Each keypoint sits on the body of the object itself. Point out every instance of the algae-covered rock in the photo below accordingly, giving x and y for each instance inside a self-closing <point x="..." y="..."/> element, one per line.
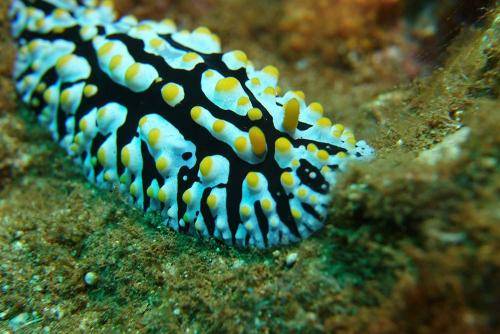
<point x="446" y="151"/>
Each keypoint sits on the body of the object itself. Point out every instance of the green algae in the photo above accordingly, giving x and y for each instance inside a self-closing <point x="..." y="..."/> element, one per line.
<point x="410" y="247"/>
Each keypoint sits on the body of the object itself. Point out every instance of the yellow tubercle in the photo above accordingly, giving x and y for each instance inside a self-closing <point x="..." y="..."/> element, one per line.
<point x="219" y="125"/>
<point x="270" y="91"/>
<point x="296" y="213"/>
<point x="341" y="155"/>
<point x="254" y="114"/>
<point x="168" y="22"/>
<point x="143" y="120"/>
<point x="317" y="108"/>
<point x="187" y="197"/>
<point x="74" y="148"/>
<point x="198" y="224"/>
<point x="302" y="192"/>
<point x="243" y="101"/>
<point x="156" y="43"/>
<point x="162" y="196"/>
<point x="292" y="111"/>
<point x="90" y="90"/>
<point x="144" y="27"/>
<point x="58" y="30"/>
<point x="60" y="13"/>
<point x="240" y="144"/>
<point x="337" y="130"/>
<point x="255" y="81"/>
<point x="300" y="94"/>
<point x="28" y="80"/>
<point x="105" y="49"/>
<point x="150" y="192"/>
<point x="323" y="155"/>
<point x="215" y="38"/>
<point x="271" y="70"/>
<point x="196" y="113"/>
<point x="212" y="201"/>
<point x="101" y="113"/>
<point x="124" y="179"/>
<point x="206" y="166"/>
<point x="66" y="97"/>
<point x="324" y="122"/>
<point x="189" y="57"/>
<point x="78" y="139"/>
<point x="154" y="136"/>
<point x="313" y="199"/>
<point x="115" y="62"/>
<point x="312" y="147"/>
<point x="283" y="145"/>
<point x="134" y="191"/>
<point x="40" y="23"/>
<point x="125" y="156"/>
<point x="64" y="61"/>
<point x="108" y="176"/>
<point x="245" y="210"/>
<point x="89" y="12"/>
<point x="107" y="3"/>
<point x="84" y="30"/>
<point x="266" y="205"/>
<point x="287" y="179"/>
<point x="132" y="71"/>
<point x="227" y="84"/>
<point x="47" y="96"/>
<point x="351" y="140"/>
<point x="35" y="66"/>
<point x="33" y="45"/>
<point x="101" y="156"/>
<point x="252" y="180"/>
<point x="83" y="125"/>
<point x="241" y="56"/>
<point x="202" y="30"/>
<point x="169" y="92"/>
<point x="161" y="164"/>
<point x="41" y="87"/>
<point x="258" y="141"/>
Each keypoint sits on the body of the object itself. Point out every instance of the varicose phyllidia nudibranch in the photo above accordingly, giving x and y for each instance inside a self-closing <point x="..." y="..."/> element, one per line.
<point x="201" y="136"/>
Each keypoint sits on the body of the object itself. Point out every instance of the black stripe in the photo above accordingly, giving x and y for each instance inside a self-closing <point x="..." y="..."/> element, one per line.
<point x="206" y="213"/>
<point x="262" y="220"/>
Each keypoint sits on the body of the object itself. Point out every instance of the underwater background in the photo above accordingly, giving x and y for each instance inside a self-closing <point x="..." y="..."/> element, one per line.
<point x="412" y="240"/>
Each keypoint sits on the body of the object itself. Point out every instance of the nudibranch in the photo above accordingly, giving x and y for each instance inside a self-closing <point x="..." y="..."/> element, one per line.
<point x="201" y="136"/>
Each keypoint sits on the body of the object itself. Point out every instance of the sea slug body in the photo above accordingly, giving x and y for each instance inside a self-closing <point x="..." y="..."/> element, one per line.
<point x="198" y="135"/>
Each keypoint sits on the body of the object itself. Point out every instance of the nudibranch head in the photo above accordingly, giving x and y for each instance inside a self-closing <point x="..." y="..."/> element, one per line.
<point x="202" y="137"/>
